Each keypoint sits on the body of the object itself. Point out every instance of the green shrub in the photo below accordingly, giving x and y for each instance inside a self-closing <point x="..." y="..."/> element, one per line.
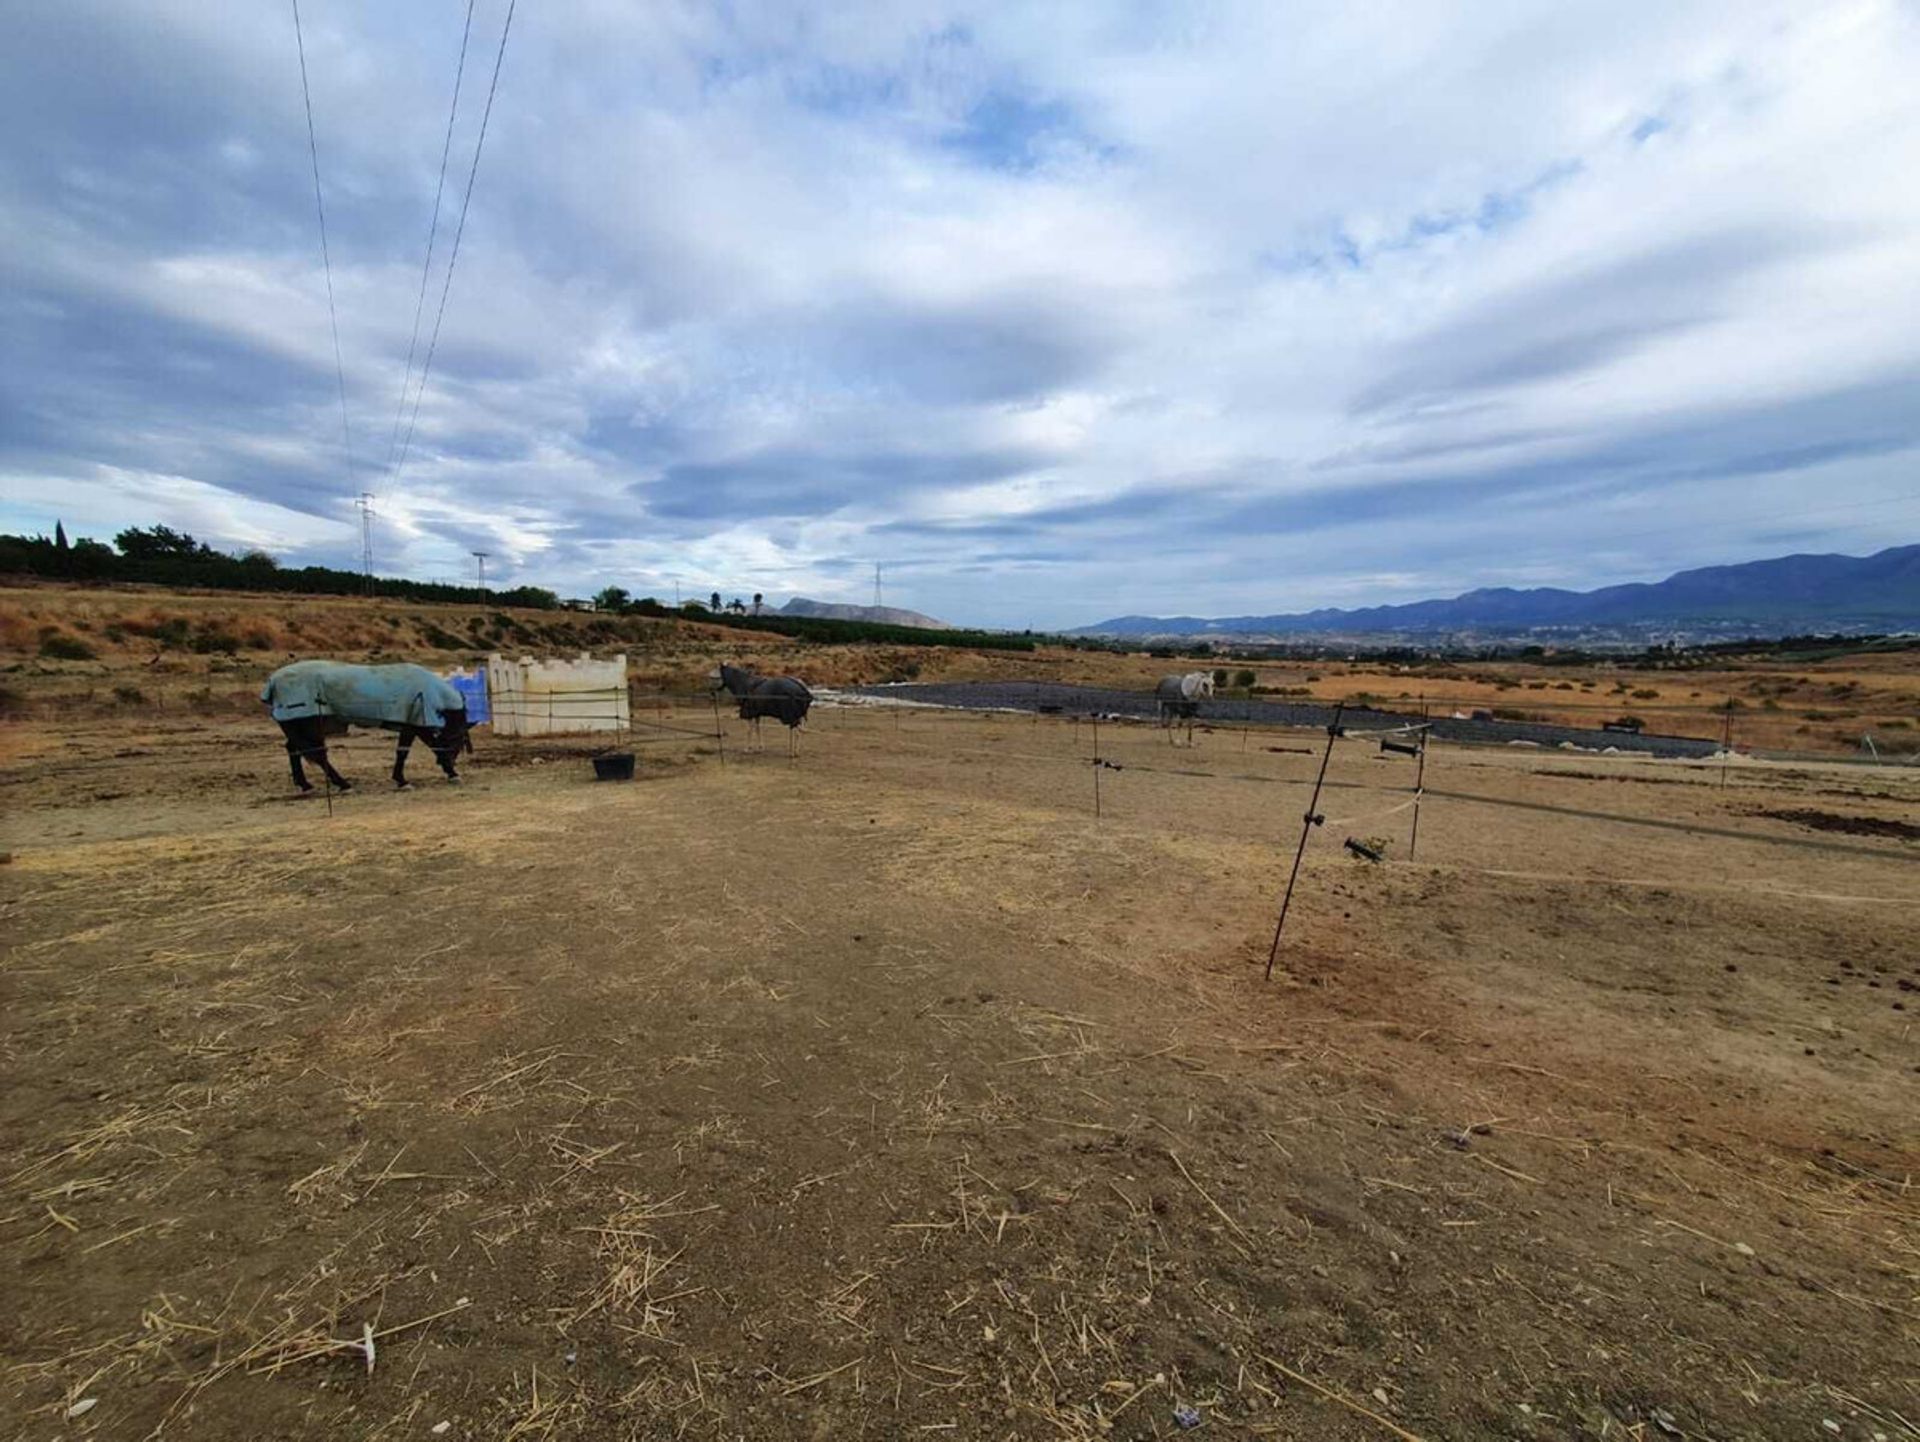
<point x="215" y="640"/>
<point x="1242" y="679"/>
<point x="129" y="695"/>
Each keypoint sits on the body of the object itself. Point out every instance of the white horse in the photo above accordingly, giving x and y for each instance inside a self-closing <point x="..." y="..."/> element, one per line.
<point x="1179" y="698"/>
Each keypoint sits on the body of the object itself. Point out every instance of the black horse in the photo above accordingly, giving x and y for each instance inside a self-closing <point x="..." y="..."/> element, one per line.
<point x="785" y="698"/>
<point x="313" y="700"/>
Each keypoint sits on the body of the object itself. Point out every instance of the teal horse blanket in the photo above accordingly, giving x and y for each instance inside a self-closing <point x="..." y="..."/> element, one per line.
<point x="389" y="696"/>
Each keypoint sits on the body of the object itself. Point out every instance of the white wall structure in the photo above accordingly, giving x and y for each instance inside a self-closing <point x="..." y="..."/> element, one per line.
<point x="554" y="698"/>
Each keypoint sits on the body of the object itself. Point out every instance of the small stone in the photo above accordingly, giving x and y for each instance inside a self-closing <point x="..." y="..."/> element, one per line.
<point x="439" y="1429"/>
<point x="1831" y="1425"/>
<point x="82" y="1407"/>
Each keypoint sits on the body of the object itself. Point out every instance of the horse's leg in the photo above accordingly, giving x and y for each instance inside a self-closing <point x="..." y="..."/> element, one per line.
<point x="400" y="750"/>
<point x="444" y="752"/>
<point x="296" y="744"/>
<point x="318" y="751"/>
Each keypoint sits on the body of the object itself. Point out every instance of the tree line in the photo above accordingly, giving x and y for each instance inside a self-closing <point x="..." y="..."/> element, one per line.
<point x="162" y="556"/>
<point x="615" y="600"/>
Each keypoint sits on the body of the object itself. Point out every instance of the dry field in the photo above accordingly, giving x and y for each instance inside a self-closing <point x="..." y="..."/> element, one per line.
<point x="204" y="653"/>
<point x="887" y="1093"/>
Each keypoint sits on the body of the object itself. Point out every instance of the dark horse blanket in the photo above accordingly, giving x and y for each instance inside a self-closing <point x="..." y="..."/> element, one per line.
<point x="312" y="699"/>
<point x="784" y="698"/>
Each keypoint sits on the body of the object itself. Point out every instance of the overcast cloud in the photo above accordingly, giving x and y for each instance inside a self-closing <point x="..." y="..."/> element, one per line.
<point x="1059" y="311"/>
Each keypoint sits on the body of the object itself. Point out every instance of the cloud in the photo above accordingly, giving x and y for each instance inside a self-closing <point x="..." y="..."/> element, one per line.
<point x="1058" y="312"/>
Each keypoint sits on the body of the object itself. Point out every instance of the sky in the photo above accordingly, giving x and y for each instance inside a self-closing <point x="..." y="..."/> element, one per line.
<point x="1055" y="312"/>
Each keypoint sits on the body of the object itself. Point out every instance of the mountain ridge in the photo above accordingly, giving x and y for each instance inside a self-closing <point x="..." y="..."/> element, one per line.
<point x="1877" y="591"/>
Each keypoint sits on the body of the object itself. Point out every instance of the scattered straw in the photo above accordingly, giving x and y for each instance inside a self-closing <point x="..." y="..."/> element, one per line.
<point x="1333" y="1396"/>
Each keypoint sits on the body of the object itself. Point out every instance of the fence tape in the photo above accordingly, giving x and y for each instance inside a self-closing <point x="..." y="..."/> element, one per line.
<point x="1413" y="800"/>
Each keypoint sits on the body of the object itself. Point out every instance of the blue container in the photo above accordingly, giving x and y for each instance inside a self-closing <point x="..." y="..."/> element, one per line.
<point x="474" y="688"/>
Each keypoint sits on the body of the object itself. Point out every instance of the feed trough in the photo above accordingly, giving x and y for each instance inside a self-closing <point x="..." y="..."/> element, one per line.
<point x="618" y="766"/>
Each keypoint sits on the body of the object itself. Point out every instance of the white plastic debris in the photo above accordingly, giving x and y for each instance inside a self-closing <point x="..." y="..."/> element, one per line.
<point x="82" y="1407"/>
<point x="366" y="1344"/>
<point x="439" y="1428"/>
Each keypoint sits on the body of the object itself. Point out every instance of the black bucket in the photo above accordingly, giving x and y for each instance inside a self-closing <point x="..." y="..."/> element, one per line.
<point x="617" y="767"/>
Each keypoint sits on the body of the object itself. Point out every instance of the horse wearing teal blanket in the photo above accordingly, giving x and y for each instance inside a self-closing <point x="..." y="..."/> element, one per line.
<point x="315" y="699"/>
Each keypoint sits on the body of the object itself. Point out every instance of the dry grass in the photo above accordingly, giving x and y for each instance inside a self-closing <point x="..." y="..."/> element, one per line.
<point x="960" y="1115"/>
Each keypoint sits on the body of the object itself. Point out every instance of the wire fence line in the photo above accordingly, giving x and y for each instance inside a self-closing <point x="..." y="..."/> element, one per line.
<point x="584" y="743"/>
<point x="1428" y="792"/>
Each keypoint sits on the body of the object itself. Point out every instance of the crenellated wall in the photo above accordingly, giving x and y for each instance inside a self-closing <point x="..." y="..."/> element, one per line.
<point x="529" y="697"/>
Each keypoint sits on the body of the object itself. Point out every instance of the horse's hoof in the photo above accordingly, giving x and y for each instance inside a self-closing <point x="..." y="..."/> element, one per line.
<point x="453" y="781"/>
<point x="403" y="786"/>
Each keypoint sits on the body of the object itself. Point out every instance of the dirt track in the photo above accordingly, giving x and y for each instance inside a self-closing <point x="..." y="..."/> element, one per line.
<point x="889" y="1091"/>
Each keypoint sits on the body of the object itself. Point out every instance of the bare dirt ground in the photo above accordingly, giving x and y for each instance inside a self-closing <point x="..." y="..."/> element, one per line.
<point x="887" y="1093"/>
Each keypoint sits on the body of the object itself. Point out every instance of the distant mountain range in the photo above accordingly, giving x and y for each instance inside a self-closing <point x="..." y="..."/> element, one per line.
<point x="1779" y="596"/>
<point x="879" y="615"/>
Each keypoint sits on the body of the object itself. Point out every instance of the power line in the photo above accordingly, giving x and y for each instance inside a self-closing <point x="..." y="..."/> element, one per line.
<point x="326" y="260"/>
<point x="453" y="257"/>
<point x="433" y="231"/>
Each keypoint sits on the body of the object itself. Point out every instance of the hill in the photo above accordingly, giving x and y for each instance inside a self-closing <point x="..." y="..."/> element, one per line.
<point x="1781" y="595"/>
<point x="876" y="615"/>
